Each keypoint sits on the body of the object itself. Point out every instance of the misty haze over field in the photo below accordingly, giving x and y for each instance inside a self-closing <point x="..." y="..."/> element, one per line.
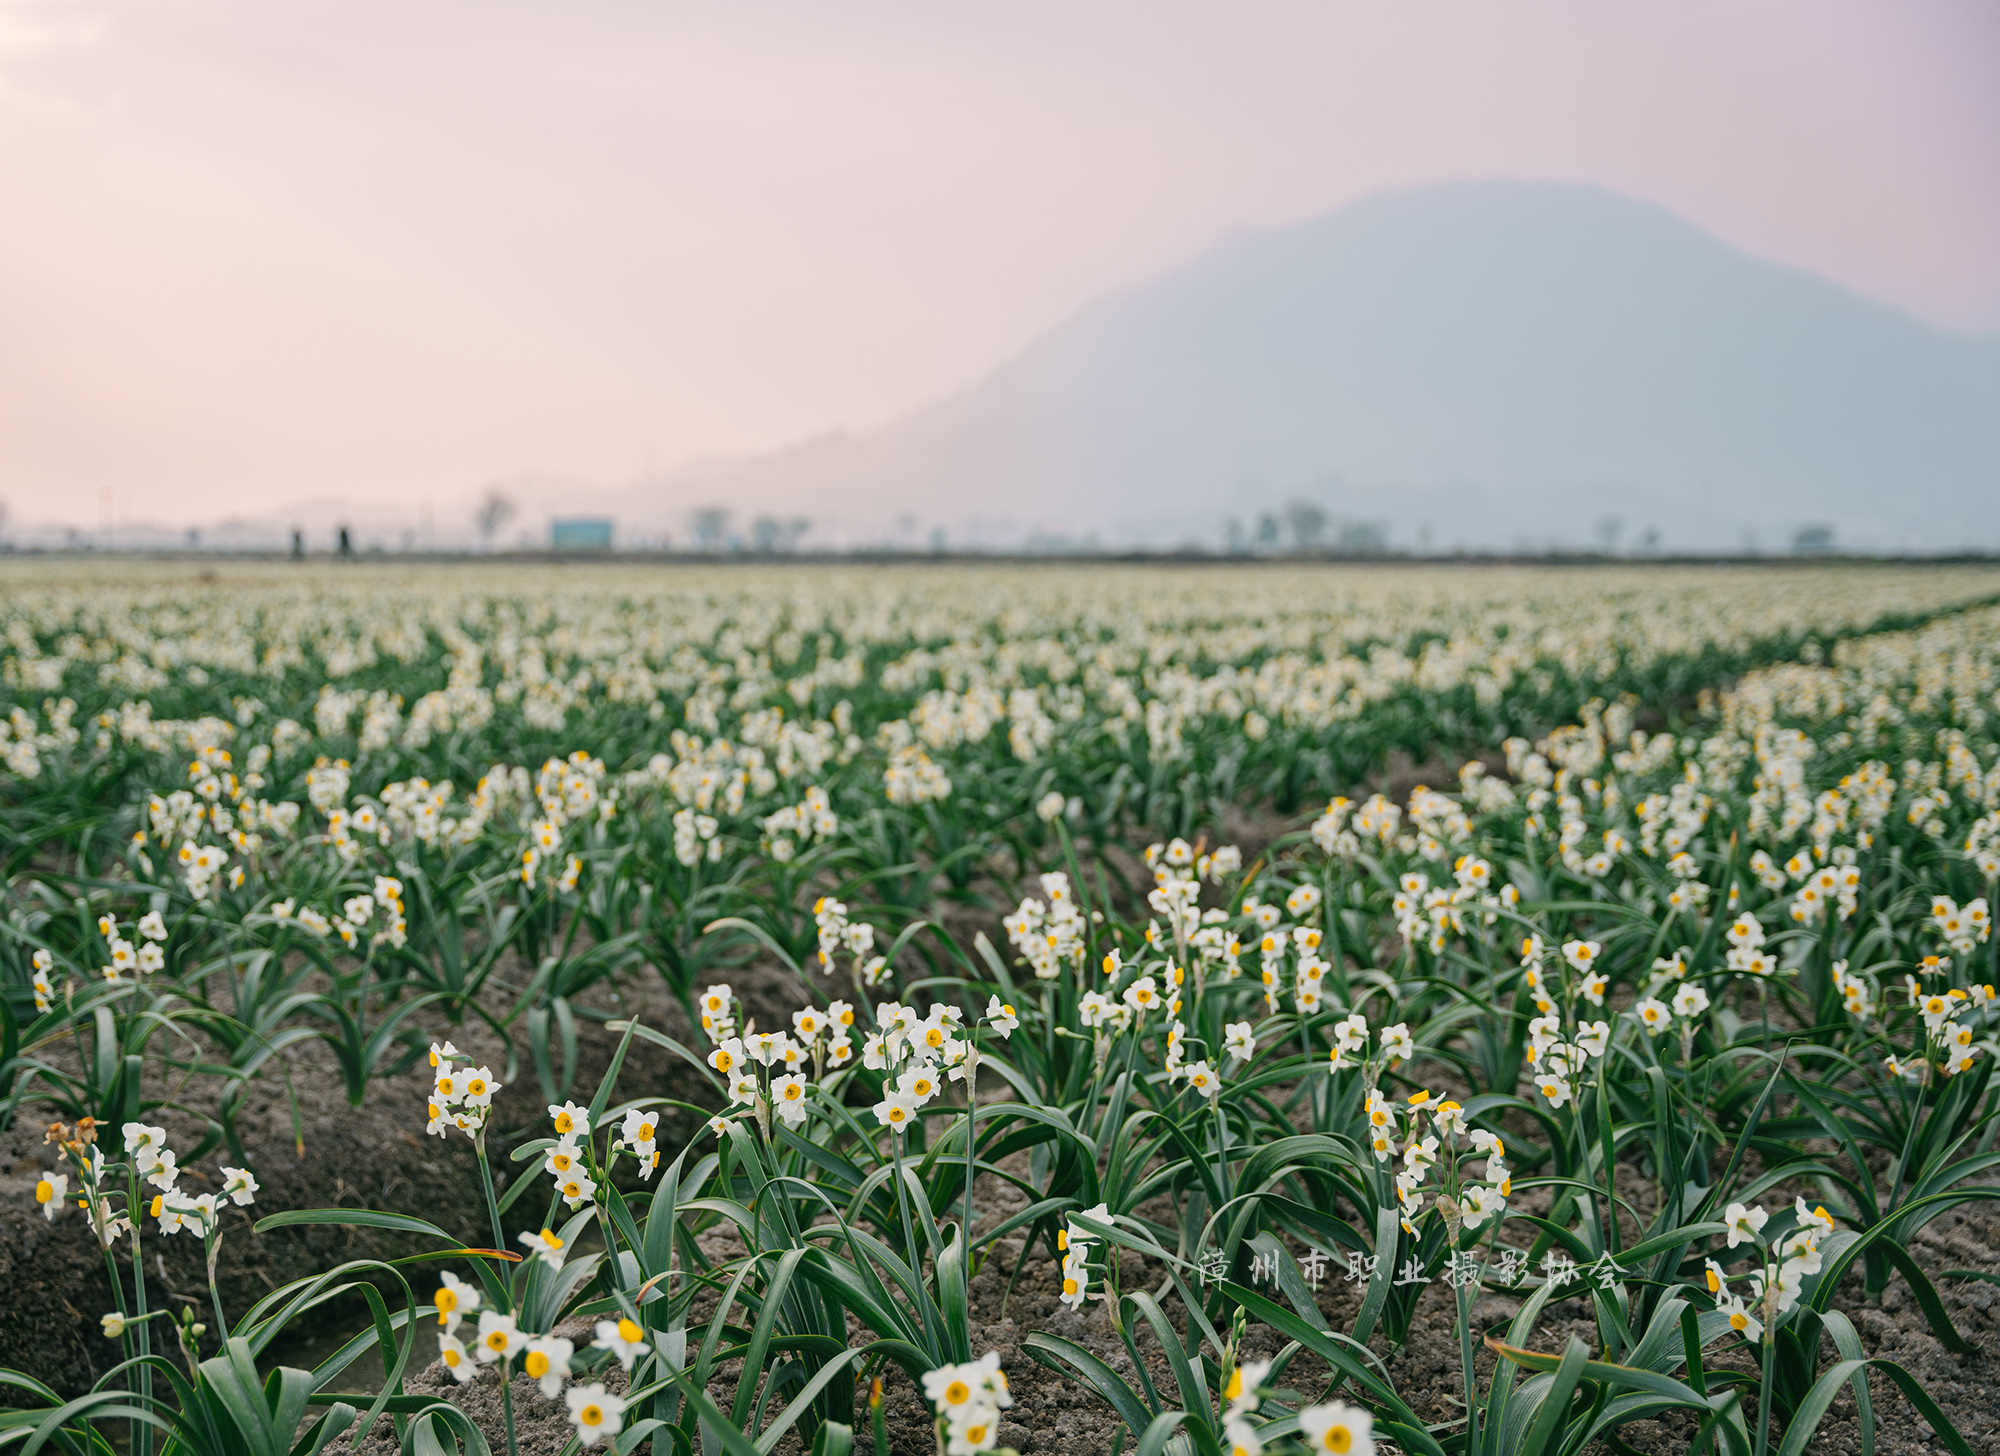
<point x="1484" y="367"/>
<point x="1489" y="366"/>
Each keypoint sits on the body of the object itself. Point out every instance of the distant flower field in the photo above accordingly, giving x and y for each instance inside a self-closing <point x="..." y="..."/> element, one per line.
<point x="1218" y="959"/>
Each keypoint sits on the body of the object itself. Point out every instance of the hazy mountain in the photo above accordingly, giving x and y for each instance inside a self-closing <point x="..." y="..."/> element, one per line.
<point x="1497" y="364"/>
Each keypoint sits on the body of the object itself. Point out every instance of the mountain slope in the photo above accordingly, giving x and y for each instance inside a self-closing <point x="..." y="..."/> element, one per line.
<point x="1498" y="364"/>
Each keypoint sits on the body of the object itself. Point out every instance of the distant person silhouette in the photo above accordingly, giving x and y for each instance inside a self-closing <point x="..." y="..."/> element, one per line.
<point x="298" y="545"/>
<point x="346" y="545"/>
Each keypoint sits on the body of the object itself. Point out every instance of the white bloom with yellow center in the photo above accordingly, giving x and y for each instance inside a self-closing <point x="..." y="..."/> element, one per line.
<point x="788" y="1097"/>
<point x="624" y="1338"/>
<point x="454" y="1300"/>
<point x="546" y="1358"/>
<point x="597" y="1414"/>
<point x="452" y="1351"/>
<point x="49" y="1191"/>
<point x="499" y="1336"/>
<point x="546" y="1246"/>
<point x="1338" y="1429"/>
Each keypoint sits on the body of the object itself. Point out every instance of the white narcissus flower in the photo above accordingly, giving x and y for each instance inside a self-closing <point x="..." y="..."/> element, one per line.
<point x="546" y="1246"/>
<point x="1075" y="1279"/>
<point x="1555" y="1089"/>
<point x="239" y="1186"/>
<point x="152" y="926"/>
<point x="1001" y="1017"/>
<point x="597" y="1413"/>
<point x="638" y="1129"/>
<point x="546" y="1359"/>
<point x="1201" y="1077"/>
<point x="1244" y="1382"/>
<point x="479" y="1087"/>
<point x="896" y="1111"/>
<point x="454" y="1300"/>
<point x="1337" y="1429"/>
<point x="1690" y="1002"/>
<point x="1744" y="1223"/>
<point x="114" y="1325"/>
<point x="1480" y="1203"/>
<point x="1741" y="1320"/>
<point x="499" y="1336"/>
<point x="571" y="1121"/>
<point x="1240" y="1439"/>
<point x="972" y="1430"/>
<point x="565" y="1159"/>
<point x="452" y="1351"/>
<point x="788" y="1097"/>
<point x="448" y="1088"/>
<point x="623" y="1337"/>
<point x="49" y="1190"/>
<point x="1581" y="954"/>
<point x="577" y="1189"/>
<point x="728" y="1056"/>
<point x="1652" y="1014"/>
<point x="159" y="1167"/>
<point x="1238" y="1040"/>
<point x="1789" y="1282"/>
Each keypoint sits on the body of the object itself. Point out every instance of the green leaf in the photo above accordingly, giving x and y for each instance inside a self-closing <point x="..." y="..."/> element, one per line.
<point x="354" y="1218"/>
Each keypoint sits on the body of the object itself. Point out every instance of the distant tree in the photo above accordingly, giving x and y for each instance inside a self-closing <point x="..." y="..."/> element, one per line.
<point x="1815" y="539"/>
<point x="710" y="525"/>
<point x="1307" y="522"/>
<point x="770" y="533"/>
<point x="494" y="512"/>
<point x="1267" y="531"/>
<point x="1362" y="538"/>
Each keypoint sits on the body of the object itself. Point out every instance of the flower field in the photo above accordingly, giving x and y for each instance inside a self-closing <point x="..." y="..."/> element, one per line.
<point x="1216" y="1010"/>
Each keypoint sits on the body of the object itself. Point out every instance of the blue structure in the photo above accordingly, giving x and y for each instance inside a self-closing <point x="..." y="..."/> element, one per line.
<point x="580" y="533"/>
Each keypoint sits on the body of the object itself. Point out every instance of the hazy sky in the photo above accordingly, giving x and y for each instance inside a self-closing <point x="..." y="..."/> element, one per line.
<point x="258" y="250"/>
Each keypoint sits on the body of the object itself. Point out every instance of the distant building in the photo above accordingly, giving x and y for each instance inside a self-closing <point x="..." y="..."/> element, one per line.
<point x="580" y="533"/>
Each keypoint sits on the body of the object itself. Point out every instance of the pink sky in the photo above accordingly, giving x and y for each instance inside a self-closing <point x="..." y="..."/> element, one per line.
<point x="254" y="252"/>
